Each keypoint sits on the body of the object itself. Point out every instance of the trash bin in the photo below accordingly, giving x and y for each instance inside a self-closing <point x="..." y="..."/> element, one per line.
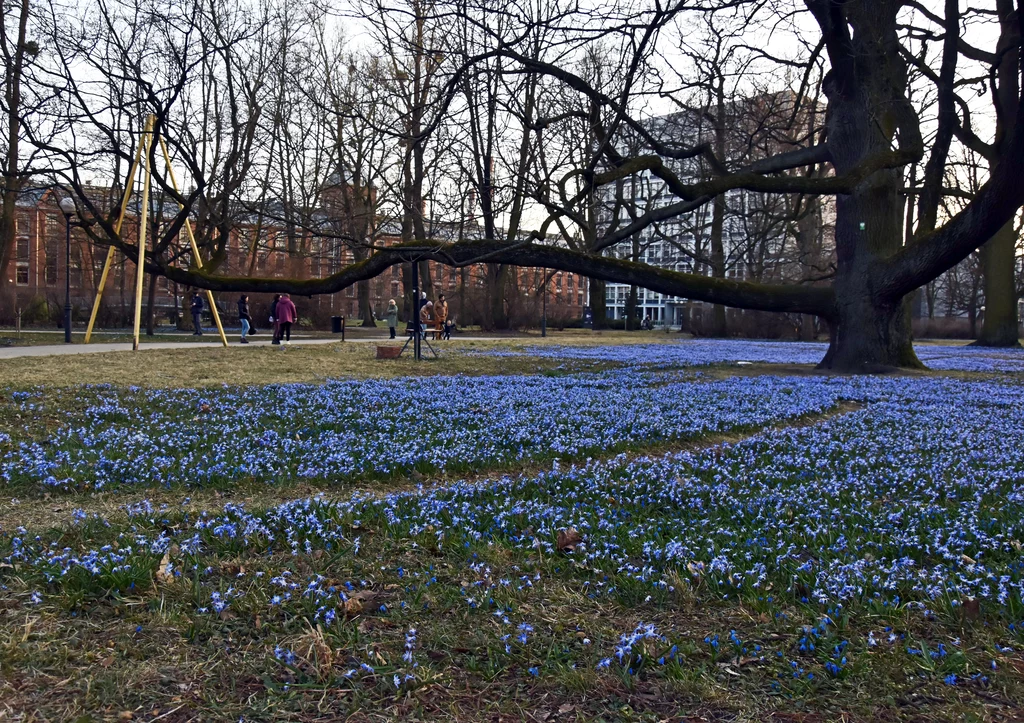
<point x="337" y="322"/>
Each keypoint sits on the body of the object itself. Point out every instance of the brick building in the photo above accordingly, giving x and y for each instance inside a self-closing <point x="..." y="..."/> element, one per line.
<point x="257" y="246"/>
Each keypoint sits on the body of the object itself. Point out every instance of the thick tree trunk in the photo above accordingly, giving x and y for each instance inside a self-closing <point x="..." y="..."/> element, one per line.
<point x="807" y="330"/>
<point x="717" y="323"/>
<point x="871" y="332"/>
<point x="870" y="337"/>
<point x="598" y="303"/>
<point x="365" y="309"/>
<point x="1000" y="326"/>
<point x="497" y="280"/>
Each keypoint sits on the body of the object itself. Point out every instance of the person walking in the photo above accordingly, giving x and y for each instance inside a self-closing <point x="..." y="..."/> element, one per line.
<point x="274" y="321"/>
<point x="392" y="314"/>
<point x="285" y="314"/>
<point x="243" y="317"/>
<point x="440" y="316"/>
<point x="197" y="314"/>
<point x="425" y="312"/>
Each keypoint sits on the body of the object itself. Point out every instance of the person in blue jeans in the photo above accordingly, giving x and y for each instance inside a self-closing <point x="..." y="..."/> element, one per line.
<point x="244" y="317"/>
<point x="197" y="314"/>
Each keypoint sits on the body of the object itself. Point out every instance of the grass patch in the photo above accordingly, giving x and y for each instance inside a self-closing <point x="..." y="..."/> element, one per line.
<point x="238" y="366"/>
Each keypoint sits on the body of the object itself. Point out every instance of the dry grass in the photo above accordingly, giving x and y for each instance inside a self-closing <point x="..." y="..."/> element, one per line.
<point x="239" y="365"/>
<point x="252" y="365"/>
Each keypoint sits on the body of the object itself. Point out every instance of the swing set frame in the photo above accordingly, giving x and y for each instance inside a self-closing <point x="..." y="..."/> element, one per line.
<point x="149" y="136"/>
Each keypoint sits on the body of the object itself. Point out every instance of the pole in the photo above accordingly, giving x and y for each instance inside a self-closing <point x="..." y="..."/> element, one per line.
<point x="143" y="223"/>
<point x="195" y="247"/>
<point x="544" y="308"/>
<point x="67" y="278"/>
<point x="110" y="251"/>
<point x="416" y="311"/>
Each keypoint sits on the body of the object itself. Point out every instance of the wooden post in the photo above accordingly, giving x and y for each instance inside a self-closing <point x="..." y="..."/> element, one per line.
<point x="110" y="251"/>
<point x="143" y="224"/>
<point x="193" y="244"/>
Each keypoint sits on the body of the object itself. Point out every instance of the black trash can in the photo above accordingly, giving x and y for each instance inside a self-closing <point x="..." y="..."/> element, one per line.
<point x="337" y="323"/>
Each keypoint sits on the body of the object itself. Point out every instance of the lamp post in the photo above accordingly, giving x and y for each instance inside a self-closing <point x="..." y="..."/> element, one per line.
<point x="67" y="207"/>
<point x="544" y="307"/>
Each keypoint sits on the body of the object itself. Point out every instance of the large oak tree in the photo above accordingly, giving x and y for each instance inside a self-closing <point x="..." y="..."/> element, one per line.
<point x="872" y="133"/>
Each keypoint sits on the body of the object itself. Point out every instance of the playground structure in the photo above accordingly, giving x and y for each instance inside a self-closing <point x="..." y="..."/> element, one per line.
<point x="142" y="158"/>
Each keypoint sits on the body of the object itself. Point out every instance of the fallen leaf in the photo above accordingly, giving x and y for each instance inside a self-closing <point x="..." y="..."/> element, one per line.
<point x="107" y="661"/>
<point x="566" y="708"/>
<point x="568" y="539"/>
<point x="163" y="570"/>
<point x="972" y="609"/>
<point x="359" y="602"/>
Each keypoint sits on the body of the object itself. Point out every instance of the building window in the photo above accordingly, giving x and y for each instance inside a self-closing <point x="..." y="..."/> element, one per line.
<point x="24" y="227"/>
<point x="453" y="277"/>
<point x="76" y="268"/>
<point x="50" y="269"/>
<point x="394" y="290"/>
<point x="23" y="248"/>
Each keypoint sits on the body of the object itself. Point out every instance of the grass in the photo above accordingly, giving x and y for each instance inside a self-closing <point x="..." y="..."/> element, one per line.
<point x="134" y="642"/>
<point x="241" y="366"/>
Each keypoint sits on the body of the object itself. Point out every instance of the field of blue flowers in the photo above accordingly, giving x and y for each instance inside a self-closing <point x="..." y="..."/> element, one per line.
<point x="380" y="429"/>
<point x="854" y="550"/>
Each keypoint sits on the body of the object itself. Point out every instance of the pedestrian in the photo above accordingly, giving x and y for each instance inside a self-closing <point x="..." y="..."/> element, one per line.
<point x="273" y="319"/>
<point x="448" y="326"/>
<point x="425" y="312"/>
<point x="392" y="315"/>
<point x="440" y="316"/>
<point x="285" y="315"/>
<point x="243" y="317"/>
<point x="197" y="314"/>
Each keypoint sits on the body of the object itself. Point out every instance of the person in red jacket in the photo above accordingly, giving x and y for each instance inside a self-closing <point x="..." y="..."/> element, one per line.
<point x="284" y="314"/>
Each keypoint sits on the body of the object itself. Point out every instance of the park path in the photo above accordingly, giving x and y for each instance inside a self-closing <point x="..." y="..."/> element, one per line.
<point x="14" y="352"/>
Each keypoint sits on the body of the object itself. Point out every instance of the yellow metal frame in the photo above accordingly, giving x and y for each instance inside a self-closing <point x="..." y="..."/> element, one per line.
<point x="192" y="243"/>
<point x="140" y="264"/>
<point x="142" y="155"/>
<point x="110" y="251"/>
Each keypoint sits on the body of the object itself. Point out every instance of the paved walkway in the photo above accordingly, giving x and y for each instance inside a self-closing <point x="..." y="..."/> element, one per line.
<point x="13" y="352"/>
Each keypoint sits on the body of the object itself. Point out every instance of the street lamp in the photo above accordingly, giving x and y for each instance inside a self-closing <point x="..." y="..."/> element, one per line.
<point x="67" y="207"/>
<point x="544" y="306"/>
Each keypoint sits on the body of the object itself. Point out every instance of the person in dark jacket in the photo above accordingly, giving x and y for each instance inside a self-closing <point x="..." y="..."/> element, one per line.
<point x="243" y="317"/>
<point x="274" y="321"/>
<point x="197" y="314"/>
